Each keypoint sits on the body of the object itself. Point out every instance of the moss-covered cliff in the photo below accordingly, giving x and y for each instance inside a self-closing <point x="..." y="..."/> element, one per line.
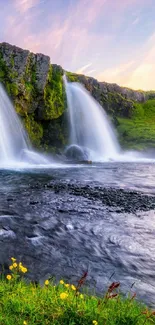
<point x="36" y="88"/>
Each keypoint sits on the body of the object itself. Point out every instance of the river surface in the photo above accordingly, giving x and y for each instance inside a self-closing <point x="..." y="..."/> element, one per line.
<point x="64" y="221"/>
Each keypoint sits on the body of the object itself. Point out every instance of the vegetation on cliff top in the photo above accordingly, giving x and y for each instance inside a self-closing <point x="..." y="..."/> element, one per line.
<point x="138" y="132"/>
<point x="24" y="303"/>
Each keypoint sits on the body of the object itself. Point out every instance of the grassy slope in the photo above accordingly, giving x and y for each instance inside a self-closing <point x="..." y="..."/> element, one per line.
<point x="139" y="131"/>
<point x="24" y="303"/>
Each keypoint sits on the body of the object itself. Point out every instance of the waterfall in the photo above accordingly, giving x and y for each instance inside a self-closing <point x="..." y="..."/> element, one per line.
<point x="13" y="138"/>
<point x="15" y="147"/>
<point x="90" y="127"/>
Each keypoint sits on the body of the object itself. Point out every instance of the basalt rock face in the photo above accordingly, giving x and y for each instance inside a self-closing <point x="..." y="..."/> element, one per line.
<point x="36" y="88"/>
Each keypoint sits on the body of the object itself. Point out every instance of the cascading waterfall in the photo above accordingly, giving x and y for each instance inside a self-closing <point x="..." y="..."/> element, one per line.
<point x="13" y="137"/>
<point x="15" y="147"/>
<point x="90" y="127"/>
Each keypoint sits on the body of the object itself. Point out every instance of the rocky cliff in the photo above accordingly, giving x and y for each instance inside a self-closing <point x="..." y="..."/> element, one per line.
<point x="36" y="88"/>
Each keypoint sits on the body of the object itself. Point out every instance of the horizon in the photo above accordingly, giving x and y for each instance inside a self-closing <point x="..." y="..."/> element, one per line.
<point x="91" y="44"/>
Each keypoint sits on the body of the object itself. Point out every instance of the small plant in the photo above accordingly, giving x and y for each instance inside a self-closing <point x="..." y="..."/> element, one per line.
<point x="24" y="303"/>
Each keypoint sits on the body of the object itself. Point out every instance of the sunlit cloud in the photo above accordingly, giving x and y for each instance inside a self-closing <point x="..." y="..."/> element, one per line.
<point x="115" y="74"/>
<point x="91" y="72"/>
<point x="137" y="74"/>
<point x="84" y="68"/>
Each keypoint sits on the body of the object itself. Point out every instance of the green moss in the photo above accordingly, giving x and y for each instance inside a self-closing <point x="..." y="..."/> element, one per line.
<point x="34" y="129"/>
<point x="12" y="89"/>
<point x="72" y="77"/>
<point x="54" y="95"/>
<point x="55" y="132"/>
<point x="12" y="61"/>
<point x="3" y="69"/>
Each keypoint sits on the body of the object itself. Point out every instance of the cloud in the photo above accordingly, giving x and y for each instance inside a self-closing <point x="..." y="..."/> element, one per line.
<point x="23" y="6"/>
<point x="90" y="72"/>
<point x="84" y="68"/>
<point x="137" y="74"/>
<point x="74" y="34"/>
<point x="115" y="74"/>
<point x="142" y="77"/>
<point x="136" y="21"/>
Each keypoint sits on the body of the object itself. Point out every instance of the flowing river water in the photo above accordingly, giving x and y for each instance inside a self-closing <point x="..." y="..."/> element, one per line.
<point x="63" y="221"/>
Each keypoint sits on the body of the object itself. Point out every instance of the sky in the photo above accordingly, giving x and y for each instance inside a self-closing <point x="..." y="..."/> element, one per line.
<point x="110" y="40"/>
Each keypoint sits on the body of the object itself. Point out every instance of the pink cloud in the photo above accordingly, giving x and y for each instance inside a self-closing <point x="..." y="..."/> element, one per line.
<point x="24" y="5"/>
<point x="137" y="74"/>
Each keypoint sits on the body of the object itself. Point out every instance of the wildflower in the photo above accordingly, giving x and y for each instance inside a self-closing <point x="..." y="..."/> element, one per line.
<point x="46" y="282"/>
<point x="95" y="322"/>
<point x="62" y="282"/>
<point x="82" y="280"/>
<point x="23" y="269"/>
<point x="11" y="267"/>
<point x="24" y="323"/>
<point x="73" y="287"/>
<point x="14" y="265"/>
<point x="113" y="286"/>
<point x="63" y="295"/>
<point x="67" y="285"/>
<point x="9" y="277"/>
<point x="81" y="296"/>
<point x="13" y="259"/>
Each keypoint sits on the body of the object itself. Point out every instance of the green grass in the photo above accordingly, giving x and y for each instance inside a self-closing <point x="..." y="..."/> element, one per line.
<point x="138" y="132"/>
<point x="24" y="303"/>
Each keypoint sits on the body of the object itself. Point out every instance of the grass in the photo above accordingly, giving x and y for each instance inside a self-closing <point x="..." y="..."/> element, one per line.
<point x="138" y="132"/>
<point x="24" y="303"/>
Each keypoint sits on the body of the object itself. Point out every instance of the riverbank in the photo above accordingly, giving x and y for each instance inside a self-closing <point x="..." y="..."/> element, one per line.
<point x="26" y="303"/>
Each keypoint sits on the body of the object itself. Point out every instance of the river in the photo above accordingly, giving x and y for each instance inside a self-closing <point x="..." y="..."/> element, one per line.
<point x="63" y="221"/>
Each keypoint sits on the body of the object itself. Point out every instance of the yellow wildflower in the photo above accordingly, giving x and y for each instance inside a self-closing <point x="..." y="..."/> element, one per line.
<point x="14" y="265"/>
<point x="62" y="282"/>
<point x="24" y="323"/>
<point x="81" y="296"/>
<point x="67" y="285"/>
<point x="73" y="287"/>
<point x="13" y="259"/>
<point x="46" y="282"/>
<point x="9" y="277"/>
<point x="63" y="295"/>
<point x="95" y="322"/>
<point x="11" y="267"/>
<point x="23" y="269"/>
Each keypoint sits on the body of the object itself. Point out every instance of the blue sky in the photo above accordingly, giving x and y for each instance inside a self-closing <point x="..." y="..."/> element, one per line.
<point x="111" y="40"/>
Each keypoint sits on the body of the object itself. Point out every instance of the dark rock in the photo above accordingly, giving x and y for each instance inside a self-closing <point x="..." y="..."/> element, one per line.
<point x="75" y="152"/>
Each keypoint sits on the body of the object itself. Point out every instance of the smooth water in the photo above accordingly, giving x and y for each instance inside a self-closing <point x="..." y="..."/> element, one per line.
<point x="89" y="125"/>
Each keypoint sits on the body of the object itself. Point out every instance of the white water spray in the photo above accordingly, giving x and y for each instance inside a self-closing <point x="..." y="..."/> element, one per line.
<point x="89" y="125"/>
<point x="15" y="148"/>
